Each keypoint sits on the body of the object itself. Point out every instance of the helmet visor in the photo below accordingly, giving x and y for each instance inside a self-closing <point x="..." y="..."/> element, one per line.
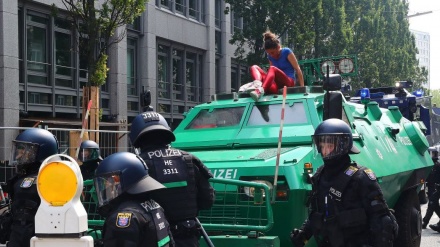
<point x="331" y="146"/>
<point x="108" y="187"/>
<point x="23" y="153"/>
<point x="88" y="154"/>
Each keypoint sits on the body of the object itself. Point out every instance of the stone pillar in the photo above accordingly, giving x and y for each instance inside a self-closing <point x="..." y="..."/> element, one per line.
<point x="9" y="90"/>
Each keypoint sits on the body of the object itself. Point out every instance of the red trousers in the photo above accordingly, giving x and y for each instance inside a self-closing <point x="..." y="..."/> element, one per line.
<point x="273" y="80"/>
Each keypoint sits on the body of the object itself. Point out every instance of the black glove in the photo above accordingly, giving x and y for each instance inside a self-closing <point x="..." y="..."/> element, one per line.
<point x="298" y="238"/>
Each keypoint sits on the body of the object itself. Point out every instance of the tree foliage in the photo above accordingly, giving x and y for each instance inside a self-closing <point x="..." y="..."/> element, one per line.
<point x="377" y="31"/>
<point x="96" y="23"/>
<point x="435" y="100"/>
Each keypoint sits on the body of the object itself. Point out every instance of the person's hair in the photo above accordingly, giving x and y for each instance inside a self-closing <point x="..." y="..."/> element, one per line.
<point x="270" y="40"/>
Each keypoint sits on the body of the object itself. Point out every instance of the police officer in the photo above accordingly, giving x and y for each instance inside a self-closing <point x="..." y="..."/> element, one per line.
<point x="132" y="218"/>
<point x="347" y="205"/>
<point x="29" y="150"/>
<point x="90" y="157"/>
<point x="433" y="184"/>
<point x="184" y="175"/>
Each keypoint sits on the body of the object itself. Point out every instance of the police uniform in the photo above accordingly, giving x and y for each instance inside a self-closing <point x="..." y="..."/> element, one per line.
<point x="29" y="149"/>
<point x="348" y="209"/>
<point x="133" y="224"/>
<point x="88" y="169"/>
<point x="347" y="204"/>
<point x="25" y="203"/>
<point x="433" y="184"/>
<point x="188" y="189"/>
<point x="123" y="188"/>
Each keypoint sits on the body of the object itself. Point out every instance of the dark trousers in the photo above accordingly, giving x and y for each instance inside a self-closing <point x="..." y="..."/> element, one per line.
<point x="21" y="235"/>
<point x="433" y="206"/>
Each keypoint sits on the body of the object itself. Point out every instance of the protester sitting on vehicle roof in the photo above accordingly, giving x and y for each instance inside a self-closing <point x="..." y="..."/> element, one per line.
<point x="281" y="72"/>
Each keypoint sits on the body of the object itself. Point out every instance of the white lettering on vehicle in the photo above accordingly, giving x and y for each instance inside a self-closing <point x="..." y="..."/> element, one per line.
<point x="405" y="140"/>
<point x="225" y="173"/>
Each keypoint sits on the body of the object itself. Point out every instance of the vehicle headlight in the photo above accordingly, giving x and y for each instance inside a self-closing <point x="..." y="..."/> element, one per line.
<point x="250" y="191"/>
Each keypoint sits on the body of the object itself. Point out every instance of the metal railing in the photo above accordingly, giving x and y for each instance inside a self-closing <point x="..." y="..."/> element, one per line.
<point x="239" y="206"/>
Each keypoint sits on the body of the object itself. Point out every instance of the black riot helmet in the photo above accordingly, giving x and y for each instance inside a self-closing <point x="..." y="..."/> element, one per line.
<point x="31" y="147"/>
<point x="150" y="128"/>
<point x="89" y="151"/>
<point x="333" y="139"/>
<point x="121" y="173"/>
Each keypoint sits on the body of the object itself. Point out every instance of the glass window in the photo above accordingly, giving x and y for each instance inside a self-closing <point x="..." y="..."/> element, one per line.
<point x="163" y="72"/>
<point x="39" y="98"/>
<point x="136" y="25"/>
<point x="219" y="117"/>
<point x="271" y="114"/>
<point x="132" y="106"/>
<point x="179" y="76"/>
<point x="191" y="76"/>
<point x="165" y="4"/>
<point x="105" y="103"/>
<point x="164" y="108"/>
<point x="218" y="42"/>
<point x="180" y="6"/>
<point x="218" y="13"/>
<point x="194" y="9"/>
<point x="63" y="24"/>
<point x="131" y="67"/>
<point x="66" y="100"/>
<point x="83" y="63"/>
<point x="37" y="54"/>
<point x="63" y="59"/>
<point x="235" y="84"/>
<point x="178" y="85"/>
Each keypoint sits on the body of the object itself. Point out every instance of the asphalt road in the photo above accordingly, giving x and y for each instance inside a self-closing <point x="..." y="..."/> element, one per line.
<point x="430" y="238"/>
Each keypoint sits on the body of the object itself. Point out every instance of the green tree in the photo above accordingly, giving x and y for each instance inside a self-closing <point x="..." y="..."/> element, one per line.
<point x="96" y="23"/>
<point x="279" y="16"/>
<point x="377" y="31"/>
<point x="435" y="97"/>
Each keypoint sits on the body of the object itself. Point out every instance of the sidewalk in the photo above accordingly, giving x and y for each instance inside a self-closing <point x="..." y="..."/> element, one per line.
<point x="429" y="236"/>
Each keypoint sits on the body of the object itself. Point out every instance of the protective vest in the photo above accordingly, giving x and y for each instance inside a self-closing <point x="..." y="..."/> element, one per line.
<point x="137" y="224"/>
<point x="337" y="217"/>
<point x="25" y="200"/>
<point x="176" y="171"/>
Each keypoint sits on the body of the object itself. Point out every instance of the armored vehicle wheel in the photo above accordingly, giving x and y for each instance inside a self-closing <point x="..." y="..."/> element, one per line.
<point x="409" y="217"/>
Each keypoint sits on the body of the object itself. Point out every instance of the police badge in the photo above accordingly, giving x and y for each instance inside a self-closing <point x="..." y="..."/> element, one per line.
<point x="123" y="220"/>
<point x="370" y="174"/>
<point x="27" y="182"/>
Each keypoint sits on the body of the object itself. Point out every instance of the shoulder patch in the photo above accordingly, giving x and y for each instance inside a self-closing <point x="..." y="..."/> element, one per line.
<point x="27" y="182"/>
<point x="123" y="220"/>
<point x="351" y="170"/>
<point x="370" y="174"/>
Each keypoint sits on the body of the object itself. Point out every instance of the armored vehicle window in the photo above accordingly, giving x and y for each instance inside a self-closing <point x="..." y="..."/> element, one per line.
<point x="218" y="117"/>
<point x="271" y="114"/>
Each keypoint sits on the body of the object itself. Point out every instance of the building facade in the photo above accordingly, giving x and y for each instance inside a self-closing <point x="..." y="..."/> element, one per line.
<point x="178" y="50"/>
<point x="422" y="40"/>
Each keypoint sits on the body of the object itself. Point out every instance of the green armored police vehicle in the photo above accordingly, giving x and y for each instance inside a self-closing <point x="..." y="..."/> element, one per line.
<point x="262" y="181"/>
